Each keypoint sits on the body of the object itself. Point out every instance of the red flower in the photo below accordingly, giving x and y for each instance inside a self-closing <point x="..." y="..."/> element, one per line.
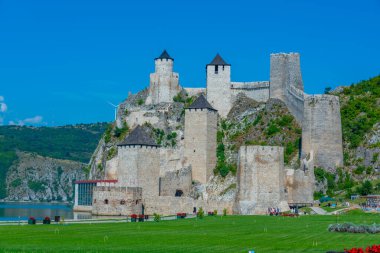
<point x="134" y="216"/>
<point x="372" y="249"/>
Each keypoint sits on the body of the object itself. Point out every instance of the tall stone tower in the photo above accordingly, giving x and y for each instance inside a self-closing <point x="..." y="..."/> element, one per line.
<point x="286" y="82"/>
<point x="139" y="162"/>
<point x="218" y="85"/>
<point x="200" y="138"/>
<point x="322" y="131"/>
<point x="164" y="83"/>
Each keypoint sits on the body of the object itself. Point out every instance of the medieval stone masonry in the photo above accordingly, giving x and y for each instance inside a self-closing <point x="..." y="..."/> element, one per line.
<point x="148" y="178"/>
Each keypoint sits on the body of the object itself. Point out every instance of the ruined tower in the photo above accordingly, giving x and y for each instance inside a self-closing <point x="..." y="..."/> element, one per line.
<point x="286" y="82"/>
<point x="261" y="179"/>
<point x="322" y="131"/>
<point x="164" y="83"/>
<point x="200" y="138"/>
<point x="218" y="85"/>
<point x="139" y="162"/>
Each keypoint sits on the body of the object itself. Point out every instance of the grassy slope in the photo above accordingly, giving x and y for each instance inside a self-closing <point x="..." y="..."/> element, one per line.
<point x="212" y="234"/>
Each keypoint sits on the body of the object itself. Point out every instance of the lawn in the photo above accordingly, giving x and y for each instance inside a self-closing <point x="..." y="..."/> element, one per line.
<point x="212" y="234"/>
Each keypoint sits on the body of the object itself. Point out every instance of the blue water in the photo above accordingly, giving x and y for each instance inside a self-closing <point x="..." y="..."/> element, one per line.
<point x="15" y="211"/>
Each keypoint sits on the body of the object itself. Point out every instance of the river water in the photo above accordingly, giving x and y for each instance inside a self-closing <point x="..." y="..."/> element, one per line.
<point x="14" y="211"/>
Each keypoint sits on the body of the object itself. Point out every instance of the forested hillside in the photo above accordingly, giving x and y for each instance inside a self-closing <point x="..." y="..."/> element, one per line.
<point x="72" y="142"/>
<point x="360" y="113"/>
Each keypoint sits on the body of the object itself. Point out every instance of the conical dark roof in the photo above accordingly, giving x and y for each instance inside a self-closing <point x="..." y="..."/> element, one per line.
<point x="138" y="136"/>
<point x="164" y="55"/>
<point x="201" y="103"/>
<point x="218" y="60"/>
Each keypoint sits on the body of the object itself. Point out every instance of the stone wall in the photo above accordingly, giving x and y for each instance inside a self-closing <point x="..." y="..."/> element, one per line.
<point x="200" y="142"/>
<point x="261" y="179"/>
<point x="176" y="180"/>
<point x="322" y="131"/>
<point x="300" y="186"/>
<point x="117" y="200"/>
<point x="171" y="159"/>
<point x="164" y="83"/>
<point x="139" y="166"/>
<point x="166" y="205"/>
<point x="195" y="91"/>
<point x="218" y="88"/>
<point x="258" y="91"/>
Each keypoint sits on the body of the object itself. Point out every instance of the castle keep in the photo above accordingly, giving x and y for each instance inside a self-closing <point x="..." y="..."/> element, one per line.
<point x="146" y="177"/>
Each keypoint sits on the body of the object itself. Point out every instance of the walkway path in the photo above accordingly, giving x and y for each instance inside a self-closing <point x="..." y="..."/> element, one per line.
<point x="318" y="210"/>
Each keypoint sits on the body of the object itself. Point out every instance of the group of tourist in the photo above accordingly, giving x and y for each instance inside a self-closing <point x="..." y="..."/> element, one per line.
<point x="272" y="211"/>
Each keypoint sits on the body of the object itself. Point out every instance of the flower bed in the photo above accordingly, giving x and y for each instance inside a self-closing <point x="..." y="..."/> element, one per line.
<point x="210" y="213"/>
<point x="46" y="220"/>
<point x="133" y="217"/>
<point x="141" y="218"/>
<point x="32" y="220"/>
<point x="181" y="215"/>
<point x="369" y="249"/>
<point x="289" y="214"/>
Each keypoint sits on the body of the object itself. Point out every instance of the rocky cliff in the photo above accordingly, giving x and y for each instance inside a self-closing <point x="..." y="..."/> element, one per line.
<point x="41" y="163"/>
<point x="34" y="177"/>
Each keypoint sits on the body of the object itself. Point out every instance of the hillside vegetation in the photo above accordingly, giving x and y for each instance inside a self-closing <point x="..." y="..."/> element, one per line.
<point x="75" y="143"/>
<point x="360" y="113"/>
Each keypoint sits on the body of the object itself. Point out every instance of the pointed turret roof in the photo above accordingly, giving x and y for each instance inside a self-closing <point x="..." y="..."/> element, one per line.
<point x="201" y="103"/>
<point x="218" y="60"/>
<point x="164" y="55"/>
<point x="138" y="136"/>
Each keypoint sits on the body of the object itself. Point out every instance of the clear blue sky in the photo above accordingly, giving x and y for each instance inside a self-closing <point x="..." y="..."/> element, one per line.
<point x="61" y="60"/>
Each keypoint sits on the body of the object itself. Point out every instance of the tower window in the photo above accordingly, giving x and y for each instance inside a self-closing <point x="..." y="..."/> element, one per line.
<point x="106" y="201"/>
<point x="178" y="193"/>
<point x="216" y="69"/>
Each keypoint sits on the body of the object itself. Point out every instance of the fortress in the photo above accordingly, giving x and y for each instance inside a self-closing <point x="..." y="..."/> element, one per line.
<point x="147" y="178"/>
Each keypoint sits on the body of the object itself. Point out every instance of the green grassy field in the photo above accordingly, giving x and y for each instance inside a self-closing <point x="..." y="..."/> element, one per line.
<point x="212" y="234"/>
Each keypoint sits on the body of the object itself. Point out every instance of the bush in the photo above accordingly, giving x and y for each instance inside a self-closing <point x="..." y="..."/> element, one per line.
<point x="352" y="228"/>
<point x="140" y="101"/>
<point x="366" y="188"/>
<point x="157" y="217"/>
<point x="200" y="213"/>
<point x="215" y="212"/>
<point x="272" y="130"/>
<point x="225" y="212"/>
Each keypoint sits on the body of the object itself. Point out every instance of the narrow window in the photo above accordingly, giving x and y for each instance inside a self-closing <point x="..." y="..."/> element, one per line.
<point x="106" y="201"/>
<point x="216" y="69"/>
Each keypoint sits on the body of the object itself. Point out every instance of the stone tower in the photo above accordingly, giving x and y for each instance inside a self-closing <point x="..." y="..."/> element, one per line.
<point x="261" y="179"/>
<point x="322" y="131"/>
<point x="286" y="82"/>
<point x="200" y="138"/>
<point x="139" y="162"/>
<point x="218" y="85"/>
<point x="164" y="83"/>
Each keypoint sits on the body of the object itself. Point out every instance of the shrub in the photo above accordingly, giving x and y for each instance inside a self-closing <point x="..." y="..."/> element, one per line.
<point x="157" y="217"/>
<point x="140" y="101"/>
<point x="36" y="186"/>
<point x="225" y="212"/>
<point x="16" y="183"/>
<point x="352" y="228"/>
<point x="272" y="130"/>
<point x="366" y="188"/>
<point x="359" y="170"/>
<point x="200" y="213"/>
<point x="215" y="212"/>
